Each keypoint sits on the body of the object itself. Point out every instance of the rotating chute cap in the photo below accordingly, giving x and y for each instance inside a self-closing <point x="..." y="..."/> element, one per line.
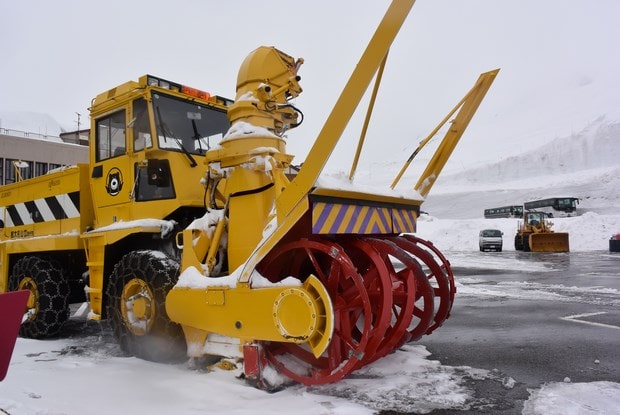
<point x="270" y="66"/>
<point x="266" y="81"/>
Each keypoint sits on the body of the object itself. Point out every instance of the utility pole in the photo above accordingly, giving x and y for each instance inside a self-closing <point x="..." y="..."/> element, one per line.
<point x="77" y="134"/>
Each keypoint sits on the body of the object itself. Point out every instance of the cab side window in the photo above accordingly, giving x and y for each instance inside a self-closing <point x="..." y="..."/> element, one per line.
<point x="141" y="126"/>
<point x="110" y="139"/>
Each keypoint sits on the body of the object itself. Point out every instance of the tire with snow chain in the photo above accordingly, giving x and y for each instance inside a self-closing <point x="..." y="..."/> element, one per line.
<point x="48" y="304"/>
<point x="136" y="308"/>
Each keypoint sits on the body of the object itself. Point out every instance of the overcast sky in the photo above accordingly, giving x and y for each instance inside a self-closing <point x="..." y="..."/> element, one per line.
<point x="559" y="61"/>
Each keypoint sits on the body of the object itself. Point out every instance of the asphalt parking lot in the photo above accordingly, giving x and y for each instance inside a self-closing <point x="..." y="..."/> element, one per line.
<point x="557" y="320"/>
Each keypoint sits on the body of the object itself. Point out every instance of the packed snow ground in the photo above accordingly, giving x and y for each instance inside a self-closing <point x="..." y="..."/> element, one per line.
<point x="86" y="376"/>
<point x="89" y="375"/>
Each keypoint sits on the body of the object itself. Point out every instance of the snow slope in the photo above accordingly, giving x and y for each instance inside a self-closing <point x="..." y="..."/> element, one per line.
<point x="585" y="164"/>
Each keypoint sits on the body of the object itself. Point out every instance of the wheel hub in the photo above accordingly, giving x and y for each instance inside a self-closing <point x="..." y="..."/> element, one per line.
<point x="288" y="312"/>
<point x="137" y="307"/>
<point x="32" y="305"/>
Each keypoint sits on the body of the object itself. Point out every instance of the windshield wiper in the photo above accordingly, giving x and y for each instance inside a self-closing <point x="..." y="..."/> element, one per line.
<point x="198" y="137"/>
<point x="162" y="127"/>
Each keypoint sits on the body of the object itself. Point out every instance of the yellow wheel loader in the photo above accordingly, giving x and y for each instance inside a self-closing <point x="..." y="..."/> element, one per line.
<point x="535" y="234"/>
<point x="186" y="233"/>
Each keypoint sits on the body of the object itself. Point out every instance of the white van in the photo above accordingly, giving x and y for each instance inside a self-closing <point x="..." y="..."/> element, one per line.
<point x="491" y="239"/>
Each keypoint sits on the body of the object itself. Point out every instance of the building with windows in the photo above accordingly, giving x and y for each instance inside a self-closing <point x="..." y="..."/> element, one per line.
<point x="24" y="155"/>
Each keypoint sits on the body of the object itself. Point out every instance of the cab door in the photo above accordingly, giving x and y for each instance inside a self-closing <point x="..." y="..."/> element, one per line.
<point x="111" y="173"/>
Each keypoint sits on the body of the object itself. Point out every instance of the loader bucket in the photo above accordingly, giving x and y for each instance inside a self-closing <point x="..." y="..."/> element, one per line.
<point x="549" y="242"/>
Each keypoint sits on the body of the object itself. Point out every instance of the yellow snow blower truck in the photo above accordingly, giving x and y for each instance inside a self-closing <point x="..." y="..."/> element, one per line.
<point x="535" y="234"/>
<point x="185" y="233"/>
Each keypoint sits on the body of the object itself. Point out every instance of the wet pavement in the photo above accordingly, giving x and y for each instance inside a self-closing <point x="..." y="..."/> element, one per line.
<point x="531" y="318"/>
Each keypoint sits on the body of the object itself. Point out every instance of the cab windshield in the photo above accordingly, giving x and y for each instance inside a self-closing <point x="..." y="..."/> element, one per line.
<point x="187" y="126"/>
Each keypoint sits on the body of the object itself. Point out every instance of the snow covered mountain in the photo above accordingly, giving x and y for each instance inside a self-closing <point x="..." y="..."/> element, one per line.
<point x="585" y="164"/>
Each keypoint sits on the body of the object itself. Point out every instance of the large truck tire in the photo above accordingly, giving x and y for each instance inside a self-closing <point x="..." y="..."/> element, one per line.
<point x="518" y="242"/>
<point x="48" y="304"/>
<point x="136" y="307"/>
<point x="525" y="240"/>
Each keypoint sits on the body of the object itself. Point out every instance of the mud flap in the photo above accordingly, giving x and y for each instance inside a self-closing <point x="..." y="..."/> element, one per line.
<point x="549" y="242"/>
<point x="254" y="363"/>
<point x="12" y="306"/>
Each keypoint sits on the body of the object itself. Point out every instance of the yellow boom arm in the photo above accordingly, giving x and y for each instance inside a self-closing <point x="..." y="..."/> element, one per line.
<point x="293" y="203"/>
<point x="468" y="106"/>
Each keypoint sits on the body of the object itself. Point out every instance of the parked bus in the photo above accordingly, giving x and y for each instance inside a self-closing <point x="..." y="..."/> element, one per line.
<point x="515" y="211"/>
<point x="554" y="206"/>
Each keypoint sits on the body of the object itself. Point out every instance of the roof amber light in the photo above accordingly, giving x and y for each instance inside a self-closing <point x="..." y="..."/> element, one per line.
<point x="195" y="92"/>
<point x="172" y="86"/>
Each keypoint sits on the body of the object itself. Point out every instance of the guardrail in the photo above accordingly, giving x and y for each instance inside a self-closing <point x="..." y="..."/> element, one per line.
<point x="27" y="134"/>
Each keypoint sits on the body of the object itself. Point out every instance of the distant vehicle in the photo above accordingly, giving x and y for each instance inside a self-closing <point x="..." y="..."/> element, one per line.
<point x="535" y="234"/>
<point x="614" y="243"/>
<point x="554" y="206"/>
<point x="491" y="239"/>
<point x="514" y="211"/>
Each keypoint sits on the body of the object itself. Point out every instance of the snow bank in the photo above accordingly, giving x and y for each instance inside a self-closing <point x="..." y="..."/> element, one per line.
<point x="595" y="398"/>
<point x="588" y="232"/>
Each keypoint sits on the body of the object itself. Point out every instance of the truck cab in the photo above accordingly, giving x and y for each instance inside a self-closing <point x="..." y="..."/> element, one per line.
<point x="148" y="145"/>
<point x="490" y="239"/>
<point x="143" y="184"/>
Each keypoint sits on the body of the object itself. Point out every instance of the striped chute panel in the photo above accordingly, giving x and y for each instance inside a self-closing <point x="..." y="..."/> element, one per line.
<point x="63" y="206"/>
<point x="404" y="220"/>
<point x="338" y="218"/>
